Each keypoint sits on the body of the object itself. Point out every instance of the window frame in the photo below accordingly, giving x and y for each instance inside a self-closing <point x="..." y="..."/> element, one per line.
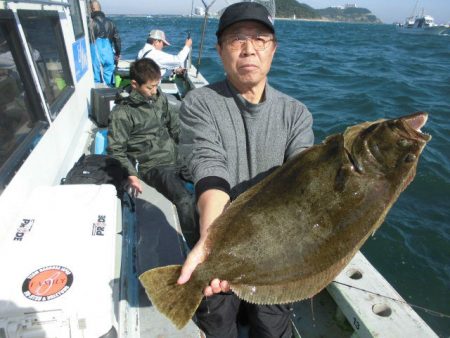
<point x="76" y="13"/>
<point x="36" y="110"/>
<point x="65" y="95"/>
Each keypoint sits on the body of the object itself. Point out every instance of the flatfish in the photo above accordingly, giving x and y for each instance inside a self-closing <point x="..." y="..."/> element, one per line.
<point x="287" y="237"/>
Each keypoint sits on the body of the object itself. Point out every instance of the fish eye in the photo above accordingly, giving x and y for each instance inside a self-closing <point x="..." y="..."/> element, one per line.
<point x="410" y="158"/>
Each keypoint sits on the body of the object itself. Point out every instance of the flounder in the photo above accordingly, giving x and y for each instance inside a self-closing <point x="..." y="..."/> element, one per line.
<point x="287" y="237"/>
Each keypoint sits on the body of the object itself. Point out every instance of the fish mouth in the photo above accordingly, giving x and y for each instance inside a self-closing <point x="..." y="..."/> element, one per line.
<point x="415" y="122"/>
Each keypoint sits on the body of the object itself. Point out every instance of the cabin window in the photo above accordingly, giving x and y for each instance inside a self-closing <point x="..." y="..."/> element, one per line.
<point x="77" y="20"/>
<point x="46" y="45"/>
<point x="22" y="119"/>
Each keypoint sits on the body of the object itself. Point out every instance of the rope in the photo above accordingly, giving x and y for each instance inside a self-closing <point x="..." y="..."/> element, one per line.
<point x="427" y="310"/>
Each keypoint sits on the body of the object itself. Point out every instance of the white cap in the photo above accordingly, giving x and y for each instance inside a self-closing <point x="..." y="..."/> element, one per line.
<point x="158" y="35"/>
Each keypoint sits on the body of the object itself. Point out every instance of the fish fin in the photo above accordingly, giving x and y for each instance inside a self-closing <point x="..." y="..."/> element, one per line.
<point x="293" y="290"/>
<point x="176" y="302"/>
<point x="273" y="294"/>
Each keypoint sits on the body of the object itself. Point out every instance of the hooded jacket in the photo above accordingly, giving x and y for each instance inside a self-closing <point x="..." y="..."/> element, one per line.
<point x="102" y="27"/>
<point x="143" y="133"/>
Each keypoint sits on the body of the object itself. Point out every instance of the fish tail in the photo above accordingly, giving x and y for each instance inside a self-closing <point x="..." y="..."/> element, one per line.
<point x="176" y="302"/>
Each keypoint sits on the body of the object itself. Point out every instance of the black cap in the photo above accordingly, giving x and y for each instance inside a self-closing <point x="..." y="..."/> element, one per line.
<point x="243" y="11"/>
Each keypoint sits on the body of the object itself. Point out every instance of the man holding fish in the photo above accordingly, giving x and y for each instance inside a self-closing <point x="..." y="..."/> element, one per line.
<point x="234" y="133"/>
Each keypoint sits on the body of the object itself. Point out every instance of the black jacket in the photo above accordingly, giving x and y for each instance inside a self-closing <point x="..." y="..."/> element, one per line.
<point x="102" y="27"/>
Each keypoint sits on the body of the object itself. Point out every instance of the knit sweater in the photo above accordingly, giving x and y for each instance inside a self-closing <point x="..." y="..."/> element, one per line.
<point x="224" y="136"/>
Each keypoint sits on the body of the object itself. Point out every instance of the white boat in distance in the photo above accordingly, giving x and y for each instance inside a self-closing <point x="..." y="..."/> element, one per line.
<point x="422" y="24"/>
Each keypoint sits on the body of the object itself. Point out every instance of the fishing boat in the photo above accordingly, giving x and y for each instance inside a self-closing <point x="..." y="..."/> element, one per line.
<point x="419" y="23"/>
<point x="68" y="252"/>
<point x="423" y="24"/>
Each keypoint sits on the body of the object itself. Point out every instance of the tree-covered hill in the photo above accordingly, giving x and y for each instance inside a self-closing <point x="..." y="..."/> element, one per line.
<point x="348" y="14"/>
<point x="289" y="8"/>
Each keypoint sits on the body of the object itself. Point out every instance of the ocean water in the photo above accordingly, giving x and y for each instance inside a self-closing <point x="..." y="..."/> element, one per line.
<point x="347" y="74"/>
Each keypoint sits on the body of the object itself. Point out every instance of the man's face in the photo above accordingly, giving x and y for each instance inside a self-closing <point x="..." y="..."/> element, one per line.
<point x="246" y="66"/>
<point x="158" y="44"/>
<point x="147" y="89"/>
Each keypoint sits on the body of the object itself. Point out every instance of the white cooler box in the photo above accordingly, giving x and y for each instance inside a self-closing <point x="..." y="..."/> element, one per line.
<point x="59" y="274"/>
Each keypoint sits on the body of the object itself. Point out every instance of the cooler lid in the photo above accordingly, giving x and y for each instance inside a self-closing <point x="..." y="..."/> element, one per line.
<point x="60" y="256"/>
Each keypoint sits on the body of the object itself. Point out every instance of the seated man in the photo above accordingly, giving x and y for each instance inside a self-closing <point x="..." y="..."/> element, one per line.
<point x="143" y="135"/>
<point x="167" y="62"/>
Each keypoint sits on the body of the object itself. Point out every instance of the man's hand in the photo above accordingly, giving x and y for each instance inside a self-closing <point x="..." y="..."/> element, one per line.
<point x="188" y="42"/>
<point x="197" y="255"/>
<point x="134" y="185"/>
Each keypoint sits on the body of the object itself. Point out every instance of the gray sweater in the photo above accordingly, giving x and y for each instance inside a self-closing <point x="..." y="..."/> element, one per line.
<point x="225" y="136"/>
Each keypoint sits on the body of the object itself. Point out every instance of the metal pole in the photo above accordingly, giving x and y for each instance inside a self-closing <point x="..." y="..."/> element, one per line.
<point x="205" y="21"/>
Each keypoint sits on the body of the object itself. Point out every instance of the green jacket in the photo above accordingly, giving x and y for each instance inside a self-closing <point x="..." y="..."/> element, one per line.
<point x="144" y="132"/>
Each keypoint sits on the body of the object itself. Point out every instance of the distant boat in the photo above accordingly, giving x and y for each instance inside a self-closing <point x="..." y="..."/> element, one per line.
<point x="422" y="24"/>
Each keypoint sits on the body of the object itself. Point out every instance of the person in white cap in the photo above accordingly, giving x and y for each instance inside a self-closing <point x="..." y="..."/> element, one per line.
<point x="167" y="62"/>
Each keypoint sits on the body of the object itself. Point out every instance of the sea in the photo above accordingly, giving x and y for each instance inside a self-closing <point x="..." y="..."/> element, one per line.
<point x="346" y="74"/>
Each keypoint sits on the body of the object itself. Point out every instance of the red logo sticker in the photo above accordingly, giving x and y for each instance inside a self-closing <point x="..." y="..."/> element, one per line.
<point x="47" y="283"/>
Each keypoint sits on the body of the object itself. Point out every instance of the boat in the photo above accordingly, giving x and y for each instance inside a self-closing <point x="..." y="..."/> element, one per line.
<point x="421" y="24"/>
<point x="68" y="252"/>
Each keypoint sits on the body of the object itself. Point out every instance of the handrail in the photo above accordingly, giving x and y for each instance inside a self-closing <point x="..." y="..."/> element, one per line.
<point x="38" y="2"/>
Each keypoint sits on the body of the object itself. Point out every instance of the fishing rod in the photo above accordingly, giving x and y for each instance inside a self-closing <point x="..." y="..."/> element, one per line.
<point x="205" y="21"/>
<point x="401" y="301"/>
<point x="189" y="60"/>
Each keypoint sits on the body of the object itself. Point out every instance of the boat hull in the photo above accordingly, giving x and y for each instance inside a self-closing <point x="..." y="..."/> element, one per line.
<point x="438" y="30"/>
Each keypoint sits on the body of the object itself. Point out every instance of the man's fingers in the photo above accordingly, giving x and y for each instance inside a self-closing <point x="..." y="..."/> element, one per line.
<point x="224" y="286"/>
<point x="186" y="272"/>
<point x="207" y="292"/>
<point x="192" y="260"/>
<point x="195" y="257"/>
<point x="215" y="285"/>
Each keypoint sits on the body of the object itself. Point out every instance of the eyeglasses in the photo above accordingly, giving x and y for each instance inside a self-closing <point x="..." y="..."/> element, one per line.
<point x="259" y="41"/>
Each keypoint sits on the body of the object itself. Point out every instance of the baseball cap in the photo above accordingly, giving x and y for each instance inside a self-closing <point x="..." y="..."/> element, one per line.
<point x="243" y="11"/>
<point x="158" y="35"/>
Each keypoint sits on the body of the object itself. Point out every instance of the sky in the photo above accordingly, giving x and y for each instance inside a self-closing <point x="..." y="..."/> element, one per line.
<point x="388" y="11"/>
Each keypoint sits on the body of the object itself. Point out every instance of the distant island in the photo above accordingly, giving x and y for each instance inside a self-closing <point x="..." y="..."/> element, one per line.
<point x="292" y="9"/>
